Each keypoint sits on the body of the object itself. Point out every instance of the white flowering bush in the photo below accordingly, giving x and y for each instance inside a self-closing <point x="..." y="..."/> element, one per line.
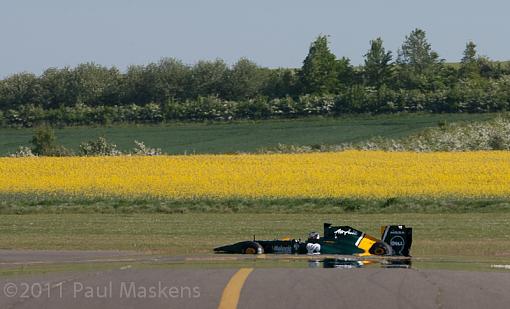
<point x="22" y="152"/>
<point x="489" y="135"/>
<point x="99" y="147"/>
<point x="142" y="150"/>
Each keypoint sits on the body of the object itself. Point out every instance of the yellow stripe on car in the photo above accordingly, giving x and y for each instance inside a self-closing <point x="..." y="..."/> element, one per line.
<point x="366" y="243"/>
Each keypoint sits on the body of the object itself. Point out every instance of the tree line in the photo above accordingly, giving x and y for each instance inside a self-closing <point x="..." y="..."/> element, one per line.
<point x="413" y="79"/>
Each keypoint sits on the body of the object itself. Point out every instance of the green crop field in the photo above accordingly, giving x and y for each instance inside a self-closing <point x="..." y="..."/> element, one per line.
<point x="244" y="136"/>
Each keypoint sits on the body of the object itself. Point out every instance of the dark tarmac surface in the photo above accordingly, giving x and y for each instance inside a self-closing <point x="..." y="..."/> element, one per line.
<point x="137" y="281"/>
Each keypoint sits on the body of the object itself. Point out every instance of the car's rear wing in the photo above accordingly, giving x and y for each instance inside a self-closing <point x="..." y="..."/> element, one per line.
<point x="399" y="237"/>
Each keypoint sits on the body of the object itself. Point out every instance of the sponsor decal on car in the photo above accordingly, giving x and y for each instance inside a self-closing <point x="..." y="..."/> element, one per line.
<point x="282" y="249"/>
<point x="397" y="242"/>
<point x="397" y="232"/>
<point x="346" y="232"/>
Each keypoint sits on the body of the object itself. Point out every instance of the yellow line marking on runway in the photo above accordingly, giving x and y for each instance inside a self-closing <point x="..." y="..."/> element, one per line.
<point x="232" y="291"/>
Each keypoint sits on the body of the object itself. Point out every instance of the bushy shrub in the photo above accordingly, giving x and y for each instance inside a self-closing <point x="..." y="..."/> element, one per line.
<point x="478" y="96"/>
<point x="99" y="147"/>
<point x="80" y="114"/>
<point x="22" y="152"/>
<point x="254" y="109"/>
<point x="151" y="113"/>
<point x="142" y="150"/>
<point x="285" y="107"/>
<point x="44" y="143"/>
<point x="129" y="113"/>
<point x="30" y="115"/>
<point x="316" y="105"/>
<point x="173" y="110"/>
<point x="13" y="118"/>
<point x="489" y="135"/>
<point x="208" y="108"/>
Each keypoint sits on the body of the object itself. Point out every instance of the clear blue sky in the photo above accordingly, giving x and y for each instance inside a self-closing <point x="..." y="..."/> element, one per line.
<point x="37" y="34"/>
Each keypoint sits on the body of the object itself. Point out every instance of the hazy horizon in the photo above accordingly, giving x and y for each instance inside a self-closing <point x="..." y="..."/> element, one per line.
<point x="59" y="33"/>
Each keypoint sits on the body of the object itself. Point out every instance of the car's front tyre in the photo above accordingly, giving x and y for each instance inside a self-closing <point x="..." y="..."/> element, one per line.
<point x="252" y="247"/>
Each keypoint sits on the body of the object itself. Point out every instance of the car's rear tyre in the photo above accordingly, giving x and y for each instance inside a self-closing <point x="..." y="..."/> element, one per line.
<point x="252" y="247"/>
<point x="381" y="248"/>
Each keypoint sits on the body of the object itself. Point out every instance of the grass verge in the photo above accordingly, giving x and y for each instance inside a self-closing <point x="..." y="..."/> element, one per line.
<point x="435" y="235"/>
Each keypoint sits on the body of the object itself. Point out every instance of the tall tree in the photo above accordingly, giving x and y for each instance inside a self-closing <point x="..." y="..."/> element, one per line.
<point x="319" y="71"/>
<point x="469" y="54"/>
<point x="98" y="85"/>
<point x="173" y="79"/>
<point x="378" y="68"/>
<point x="209" y="78"/>
<point x="419" y="66"/>
<point x="417" y="52"/>
<point x="469" y="66"/>
<point x="19" y="89"/>
<point x="60" y="87"/>
<point x="281" y="82"/>
<point x="345" y="75"/>
<point x="245" y="80"/>
<point x="138" y="85"/>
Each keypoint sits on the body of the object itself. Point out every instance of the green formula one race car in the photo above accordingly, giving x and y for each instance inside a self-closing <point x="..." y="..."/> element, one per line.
<point x="338" y="240"/>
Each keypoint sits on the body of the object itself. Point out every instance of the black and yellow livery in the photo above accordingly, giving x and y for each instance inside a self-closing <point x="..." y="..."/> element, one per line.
<point x="344" y="240"/>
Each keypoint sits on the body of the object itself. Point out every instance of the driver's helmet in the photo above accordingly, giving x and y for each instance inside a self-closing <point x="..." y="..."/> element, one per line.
<point x="313" y="235"/>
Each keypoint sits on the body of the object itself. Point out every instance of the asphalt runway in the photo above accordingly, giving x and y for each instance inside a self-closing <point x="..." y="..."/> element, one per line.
<point x="228" y="287"/>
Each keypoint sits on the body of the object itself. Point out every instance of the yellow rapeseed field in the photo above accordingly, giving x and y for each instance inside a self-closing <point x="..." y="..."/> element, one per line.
<point x="343" y="174"/>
